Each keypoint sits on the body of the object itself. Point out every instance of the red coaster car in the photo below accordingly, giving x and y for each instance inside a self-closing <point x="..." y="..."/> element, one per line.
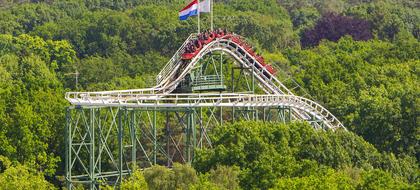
<point x="188" y="56"/>
<point x="270" y="69"/>
<point x="237" y="40"/>
<point x="241" y="43"/>
<point x="249" y="50"/>
<point x="210" y="39"/>
<point x="260" y="60"/>
<point x="220" y="34"/>
<point x="228" y="36"/>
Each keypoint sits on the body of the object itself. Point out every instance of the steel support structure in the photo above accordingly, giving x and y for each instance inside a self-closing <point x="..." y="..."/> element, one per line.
<point x="105" y="144"/>
<point x="111" y="133"/>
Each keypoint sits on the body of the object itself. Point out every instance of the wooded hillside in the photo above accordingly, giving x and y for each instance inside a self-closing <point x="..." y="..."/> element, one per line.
<point x="359" y="58"/>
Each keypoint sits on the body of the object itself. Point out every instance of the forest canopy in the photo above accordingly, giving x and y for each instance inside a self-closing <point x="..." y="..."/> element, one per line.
<point x="360" y="59"/>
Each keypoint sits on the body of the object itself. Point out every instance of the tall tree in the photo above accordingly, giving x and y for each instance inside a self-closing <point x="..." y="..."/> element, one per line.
<point x="333" y="26"/>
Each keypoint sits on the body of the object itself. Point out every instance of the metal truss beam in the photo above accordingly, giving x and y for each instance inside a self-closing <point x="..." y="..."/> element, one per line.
<point x="103" y="145"/>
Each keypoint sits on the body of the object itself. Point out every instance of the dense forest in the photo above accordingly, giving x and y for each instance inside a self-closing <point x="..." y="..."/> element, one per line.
<point x="359" y="58"/>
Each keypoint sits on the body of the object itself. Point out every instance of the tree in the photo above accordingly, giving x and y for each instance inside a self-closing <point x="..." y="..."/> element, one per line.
<point x="388" y="18"/>
<point x="304" y="18"/>
<point x="32" y="111"/>
<point x="333" y="26"/>
<point x="329" y="180"/>
<point x="135" y="182"/>
<point x="266" y="152"/>
<point x="180" y="177"/>
<point x="31" y="15"/>
<point x="21" y="177"/>
<point x="371" y="86"/>
<point x="377" y="179"/>
<point x="374" y="179"/>
<point x="225" y="177"/>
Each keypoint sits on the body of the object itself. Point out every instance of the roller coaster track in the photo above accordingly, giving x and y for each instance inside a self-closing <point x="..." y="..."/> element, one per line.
<point x="277" y="94"/>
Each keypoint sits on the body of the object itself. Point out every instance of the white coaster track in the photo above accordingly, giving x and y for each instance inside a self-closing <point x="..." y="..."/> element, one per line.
<point x="277" y="94"/>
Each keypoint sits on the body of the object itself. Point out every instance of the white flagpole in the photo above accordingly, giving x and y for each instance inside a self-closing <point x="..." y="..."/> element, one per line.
<point x="211" y="15"/>
<point x="198" y="16"/>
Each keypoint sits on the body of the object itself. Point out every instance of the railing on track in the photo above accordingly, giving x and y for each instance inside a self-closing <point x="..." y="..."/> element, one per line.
<point x="213" y="100"/>
<point x="208" y="80"/>
<point x="273" y="86"/>
<point x="173" y="62"/>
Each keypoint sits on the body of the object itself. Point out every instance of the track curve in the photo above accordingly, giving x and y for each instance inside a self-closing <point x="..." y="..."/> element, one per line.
<point x="176" y="70"/>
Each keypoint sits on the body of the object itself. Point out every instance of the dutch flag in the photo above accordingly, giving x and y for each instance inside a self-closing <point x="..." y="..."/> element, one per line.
<point x="192" y="9"/>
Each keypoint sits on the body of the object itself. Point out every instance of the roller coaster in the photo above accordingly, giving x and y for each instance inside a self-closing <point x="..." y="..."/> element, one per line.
<point x="109" y="133"/>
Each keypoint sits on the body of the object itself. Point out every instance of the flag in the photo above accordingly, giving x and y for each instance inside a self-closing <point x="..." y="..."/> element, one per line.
<point x="192" y="9"/>
<point x="205" y="6"/>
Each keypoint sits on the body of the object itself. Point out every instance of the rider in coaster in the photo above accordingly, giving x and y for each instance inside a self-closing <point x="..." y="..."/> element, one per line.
<point x="206" y="35"/>
<point x="200" y="36"/>
<point x="188" y="48"/>
<point x="225" y="31"/>
<point x="193" y="47"/>
<point x="196" y="43"/>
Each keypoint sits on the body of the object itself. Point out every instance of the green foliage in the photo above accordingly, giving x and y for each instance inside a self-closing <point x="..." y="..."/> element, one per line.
<point x="328" y="180"/>
<point x="121" y="71"/>
<point x="180" y="177"/>
<point x="374" y="179"/>
<point x="135" y="182"/>
<point x="204" y="184"/>
<point x="21" y="177"/>
<point x="25" y="17"/>
<point x="389" y="18"/>
<point x="159" y="177"/>
<point x="253" y="18"/>
<point x="266" y="152"/>
<point x="57" y="54"/>
<point x="184" y="176"/>
<point x="371" y="86"/>
<point x="377" y="179"/>
<point x="223" y="177"/>
<point x="32" y="103"/>
<point x="304" y="18"/>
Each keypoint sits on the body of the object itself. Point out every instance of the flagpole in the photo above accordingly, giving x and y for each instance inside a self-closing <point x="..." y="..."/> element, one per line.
<point x="211" y="15"/>
<point x="198" y="16"/>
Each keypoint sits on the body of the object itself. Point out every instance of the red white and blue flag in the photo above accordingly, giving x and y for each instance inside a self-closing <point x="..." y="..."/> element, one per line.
<point x="193" y="8"/>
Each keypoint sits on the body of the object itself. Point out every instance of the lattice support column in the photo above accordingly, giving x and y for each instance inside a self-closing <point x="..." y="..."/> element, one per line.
<point x="120" y="144"/>
<point x="103" y="145"/>
<point x="68" y="149"/>
<point x="90" y="135"/>
<point x="190" y="136"/>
